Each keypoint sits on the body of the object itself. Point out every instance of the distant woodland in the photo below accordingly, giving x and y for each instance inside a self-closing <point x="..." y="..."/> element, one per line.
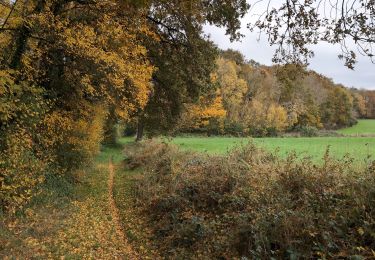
<point x="258" y="100"/>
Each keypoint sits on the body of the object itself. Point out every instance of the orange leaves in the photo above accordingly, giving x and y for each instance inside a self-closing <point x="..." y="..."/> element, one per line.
<point x="198" y="116"/>
<point x="114" y="64"/>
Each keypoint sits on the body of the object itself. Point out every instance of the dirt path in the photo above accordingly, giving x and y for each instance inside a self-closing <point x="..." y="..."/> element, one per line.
<point x="115" y="213"/>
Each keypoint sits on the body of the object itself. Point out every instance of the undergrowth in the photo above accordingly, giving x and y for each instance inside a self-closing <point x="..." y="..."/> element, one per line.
<point x="251" y="204"/>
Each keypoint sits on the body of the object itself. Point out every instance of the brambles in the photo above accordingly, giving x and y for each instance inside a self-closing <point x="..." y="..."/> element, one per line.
<point x="252" y="204"/>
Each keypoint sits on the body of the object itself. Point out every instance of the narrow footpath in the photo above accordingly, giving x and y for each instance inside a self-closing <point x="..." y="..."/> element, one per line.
<point x="71" y="220"/>
<point x="115" y="213"/>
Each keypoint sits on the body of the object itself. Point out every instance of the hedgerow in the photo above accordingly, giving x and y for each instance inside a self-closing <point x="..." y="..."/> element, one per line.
<point x="252" y="204"/>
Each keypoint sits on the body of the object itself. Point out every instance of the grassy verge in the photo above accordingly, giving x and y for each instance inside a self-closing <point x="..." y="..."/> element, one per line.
<point x="65" y="219"/>
<point x="134" y="223"/>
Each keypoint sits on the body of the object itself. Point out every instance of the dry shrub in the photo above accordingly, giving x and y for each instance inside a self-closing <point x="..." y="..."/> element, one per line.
<point x="252" y="204"/>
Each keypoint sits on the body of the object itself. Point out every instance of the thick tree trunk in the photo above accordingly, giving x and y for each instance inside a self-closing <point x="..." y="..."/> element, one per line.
<point x="21" y="44"/>
<point x="140" y="130"/>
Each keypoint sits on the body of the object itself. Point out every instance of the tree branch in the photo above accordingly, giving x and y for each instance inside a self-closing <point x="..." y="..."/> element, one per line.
<point x="10" y="13"/>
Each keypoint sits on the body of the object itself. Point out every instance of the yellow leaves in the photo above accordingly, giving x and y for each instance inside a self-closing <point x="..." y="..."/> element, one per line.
<point x="214" y="110"/>
<point x="73" y="138"/>
<point x="113" y="65"/>
<point x="232" y="87"/>
<point x="20" y="170"/>
<point x="262" y="116"/>
<point x="199" y="115"/>
<point x="90" y="231"/>
<point x="88" y="58"/>
<point x="277" y="117"/>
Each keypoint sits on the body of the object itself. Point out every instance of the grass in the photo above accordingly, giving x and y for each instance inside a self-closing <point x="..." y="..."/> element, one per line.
<point x="359" y="143"/>
<point x="359" y="148"/>
<point x="133" y="221"/>
<point x="364" y="127"/>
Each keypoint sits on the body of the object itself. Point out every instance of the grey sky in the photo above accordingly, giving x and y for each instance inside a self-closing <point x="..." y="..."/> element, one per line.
<point x="325" y="61"/>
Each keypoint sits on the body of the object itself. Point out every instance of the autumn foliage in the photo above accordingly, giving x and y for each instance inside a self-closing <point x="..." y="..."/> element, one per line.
<point x="71" y="70"/>
<point x="266" y="101"/>
<point x="64" y="66"/>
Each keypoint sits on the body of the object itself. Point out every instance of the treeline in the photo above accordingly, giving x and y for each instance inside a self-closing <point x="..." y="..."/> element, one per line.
<point x="257" y="100"/>
<point x="367" y="102"/>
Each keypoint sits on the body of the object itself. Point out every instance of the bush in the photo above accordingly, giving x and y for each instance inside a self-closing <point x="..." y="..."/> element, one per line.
<point x="73" y="139"/>
<point x="21" y="170"/>
<point x="308" y="131"/>
<point x="255" y="205"/>
<point x="58" y="143"/>
<point x="22" y="161"/>
<point x="234" y="129"/>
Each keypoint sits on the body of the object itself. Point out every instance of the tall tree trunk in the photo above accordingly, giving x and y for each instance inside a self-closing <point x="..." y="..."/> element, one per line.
<point x="140" y="130"/>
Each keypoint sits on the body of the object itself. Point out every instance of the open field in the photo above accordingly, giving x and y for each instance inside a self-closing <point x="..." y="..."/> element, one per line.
<point x="364" y="126"/>
<point x="360" y="148"/>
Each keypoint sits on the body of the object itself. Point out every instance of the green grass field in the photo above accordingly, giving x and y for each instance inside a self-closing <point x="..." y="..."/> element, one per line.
<point x="364" y="126"/>
<point x="358" y="148"/>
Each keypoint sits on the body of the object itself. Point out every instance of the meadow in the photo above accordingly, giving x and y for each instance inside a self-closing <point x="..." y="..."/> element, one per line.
<point x="361" y="148"/>
<point x="364" y="127"/>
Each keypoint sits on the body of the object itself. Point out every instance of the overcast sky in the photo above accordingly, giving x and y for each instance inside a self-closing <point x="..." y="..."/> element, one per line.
<point x="325" y="61"/>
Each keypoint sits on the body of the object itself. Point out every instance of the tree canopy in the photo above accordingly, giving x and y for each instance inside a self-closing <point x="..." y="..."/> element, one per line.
<point x="295" y="25"/>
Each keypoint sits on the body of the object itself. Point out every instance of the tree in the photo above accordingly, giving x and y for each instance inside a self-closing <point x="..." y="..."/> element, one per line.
<point x="207" y="115"/>
<point x="233" y="55"/>
<point x="369" y="98"/>
<point x="68" y="67"/>
<point x="63" y="65"/>
<point x="184" y="57"/>
<point x="359" y="105"/>
<point x="294" y="26"/>
<point x="337" y="110"/>
<point x="233" y="88"/>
